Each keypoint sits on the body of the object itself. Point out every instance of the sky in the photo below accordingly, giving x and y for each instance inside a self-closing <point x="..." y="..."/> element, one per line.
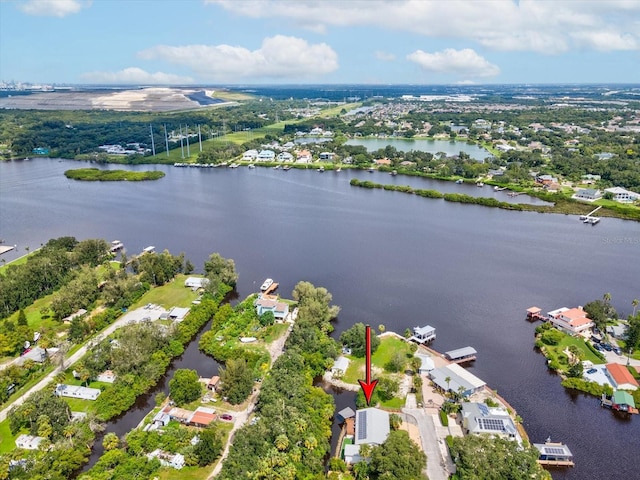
<point x="226" y="42"/>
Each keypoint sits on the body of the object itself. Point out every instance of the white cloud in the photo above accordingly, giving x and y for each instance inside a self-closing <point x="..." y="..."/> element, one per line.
<point x="53" y="8"/>
<point x="526" y="25"/>
<point x="135" y="75"/>
<point x="464" y="62"/>
<point x="385" y="56"/>
<point x="279" y="57"/>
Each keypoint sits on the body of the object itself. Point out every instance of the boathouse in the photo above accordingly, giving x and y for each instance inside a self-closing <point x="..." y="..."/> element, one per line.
<point x="554" y="454"/>
<point x="621" y="401"/>
<point x="423" y="334"/>
<point x="460" y="355"/>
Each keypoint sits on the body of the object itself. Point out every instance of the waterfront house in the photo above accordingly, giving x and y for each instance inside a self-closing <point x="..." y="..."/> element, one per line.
<point x="280" y="309"/>
<point x="371" y="428"/>
<point x="29" y="442"/>
<point x="162" y="418"/>
<point x="622" y="195"/>
<point x="74" y="391"/>
<point x="326" y="156"/>
<point x="250" y="155"/>
<point x="202" y="417"/>
<point x="620" y="377"/>
<point x="571" y="320"/>
<point x="303" y="156"/>
<point x="340" y="366"/>
<point x="266" y="156"/>
<point x="478" y="419"/>
<point x="196" y="282"/>
<point x="285" y="157"/>
<point x="167" y="459"/>
<point x="546" y="179"/>
<point x="588" y="194"/>
<point x="382" y="162"/>
<point x="180" y="414"/>
<point x="454" y="378"/>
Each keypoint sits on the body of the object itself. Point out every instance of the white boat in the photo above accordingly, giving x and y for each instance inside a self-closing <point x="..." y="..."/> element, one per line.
<point x="116" y="245"/>
<point x="479" y="184"/>
<point x="267" y="283"/>
<point x="339" y="169"/>
<point x="321" y="169"/>
<point x="459" y="181"/>
<point x="251" y="165"/>
<point x="277" y="167"/>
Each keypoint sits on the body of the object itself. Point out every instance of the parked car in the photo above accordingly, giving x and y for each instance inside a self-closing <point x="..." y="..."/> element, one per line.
<point x="591" y="370"/>
<point x="617" y="350"/>
<point x="598" y="347"/>
<point x="226" y="416"/>
<point x="607" y="347"/>
<point x="595" y="339"/>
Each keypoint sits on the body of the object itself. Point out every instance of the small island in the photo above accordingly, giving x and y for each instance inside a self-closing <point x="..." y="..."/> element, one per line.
<point x="97" y="175"/>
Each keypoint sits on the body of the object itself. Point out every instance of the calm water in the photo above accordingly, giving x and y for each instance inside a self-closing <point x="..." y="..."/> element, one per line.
<point x="422" y="144"/>
<point x="387" y="257"/>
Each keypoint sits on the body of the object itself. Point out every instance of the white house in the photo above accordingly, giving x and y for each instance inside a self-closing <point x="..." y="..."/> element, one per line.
<point x="426" y="363"/>
<point x="108" y="376"/>
<point x="250" y="155"/>
<point x="74" y="391"/>
<point x="285" y="157"/>
<point x="571" y="320"/>
<point x="266" y="156"/>
<point x="622" y="195"/>
<point x="196" y="282"/>
<point x="478" y="418"/>
<point x="454" y="378"/>
<point x="167" y="459"/>
<point x="280" y="309"/>
<point x="588" y="194"/>
<point x="372" y="428"/>
<point x="29" y="442"/>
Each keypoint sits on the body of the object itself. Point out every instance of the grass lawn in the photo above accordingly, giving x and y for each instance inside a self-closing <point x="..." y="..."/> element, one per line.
<point x="395" y="403"/>
<point x="7" y="440"/>
<point x="579" y="342"/>
<point x="274" y="332"/>
<point x="186" y="473"/>
<point x="384" y="353"/>
<point x="19" y="260"/>
<point x="172" y="294"/>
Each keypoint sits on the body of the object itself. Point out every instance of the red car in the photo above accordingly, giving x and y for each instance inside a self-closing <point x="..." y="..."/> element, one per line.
<point x="226" y="416"/>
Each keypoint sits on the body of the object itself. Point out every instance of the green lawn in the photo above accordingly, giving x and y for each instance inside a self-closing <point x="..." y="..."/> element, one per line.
<point x="19" y="260"/>
<point x="172" y="294"/>
<point x="7" y="440"/>
<point x="395" y="403"/>
<point x="579" y="342"/>
<point x="186" y="473"/>
<point x="384" y="353"/>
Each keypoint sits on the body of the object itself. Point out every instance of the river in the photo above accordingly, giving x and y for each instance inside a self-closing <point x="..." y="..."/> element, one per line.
<point x="387" y="257"/>
<point x="423" y="144"/>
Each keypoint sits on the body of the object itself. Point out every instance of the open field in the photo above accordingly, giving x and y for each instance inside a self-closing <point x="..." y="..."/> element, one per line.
<point x="384" y="353"/>
<point x="172" y="294"/>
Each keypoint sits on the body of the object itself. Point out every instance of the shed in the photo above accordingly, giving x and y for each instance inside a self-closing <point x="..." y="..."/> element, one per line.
<point x="178" y="313"/>
<point x="340" y="366"/>
<point x="346" y="413"/>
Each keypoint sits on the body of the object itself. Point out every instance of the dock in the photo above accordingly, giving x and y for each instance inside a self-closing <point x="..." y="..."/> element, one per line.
<point x="589" y="218"/>
<point x="423" y="335"/>
<point x="6" y="248"/>
<point x="554" y="454"/>
<point x="461" y="355"/>
<point x="534" y="314"/>
<point x="271" y="288"/>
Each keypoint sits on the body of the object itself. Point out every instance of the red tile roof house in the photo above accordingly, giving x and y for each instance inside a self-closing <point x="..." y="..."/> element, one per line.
<point x="572" y="320"/>
<point x="620" y="377"/>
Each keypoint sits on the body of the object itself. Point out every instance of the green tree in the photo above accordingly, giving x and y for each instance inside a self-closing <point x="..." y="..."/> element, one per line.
<point x="397" y="458"/>
<point x="22" y="318"/>
<point x="236" y="381"/>
<point x="484" y="457"/>
<point x="396" y="363"/>
<point x="355" y="339"/>
<point x="110" y="441"/>
<point x="267" y="318"/>
<point x="219" y="269"/>
<point x="184" y="387"/>
<point x="208" y="447"/>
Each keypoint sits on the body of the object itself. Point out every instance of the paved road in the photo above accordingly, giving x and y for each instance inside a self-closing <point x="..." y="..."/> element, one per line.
<point x="133" y="316"/>
<point x="436" y="466"/>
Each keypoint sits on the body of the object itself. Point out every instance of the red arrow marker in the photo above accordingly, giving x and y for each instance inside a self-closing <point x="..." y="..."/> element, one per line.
<point x="368" y="386"/>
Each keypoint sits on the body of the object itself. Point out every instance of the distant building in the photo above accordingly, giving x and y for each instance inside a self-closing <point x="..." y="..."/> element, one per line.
<point x="340" y="366"/>
<point x="178" y="313"/>
<point x="620" y="377"/>
<point x="167" y="459"/>
<point x="196" y="282"/>
<point x="588" y="194"/>
<point x="372" y="428"/>
<point x="454" y="378"/>
<point x="280" y="309"/>
<point x="108" y="376"/>
<point x="250" y="155"/>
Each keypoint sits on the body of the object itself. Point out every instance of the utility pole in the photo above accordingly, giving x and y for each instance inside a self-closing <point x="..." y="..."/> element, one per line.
<point x="153" y="145"/>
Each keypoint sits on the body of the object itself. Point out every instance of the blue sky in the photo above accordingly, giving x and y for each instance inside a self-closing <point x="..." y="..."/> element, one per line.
<point x="328" y="41"/>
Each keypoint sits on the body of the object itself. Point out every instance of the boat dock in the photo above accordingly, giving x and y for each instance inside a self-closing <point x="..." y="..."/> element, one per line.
<point x="423" y="335"/>
<point x="589" y="218"/>
<point x="6" y="248"/>
<point x="554" y="454"/>
<point x="461" y="355"/>
<point x="271" y="288"/>
<point x="535" y="313"/>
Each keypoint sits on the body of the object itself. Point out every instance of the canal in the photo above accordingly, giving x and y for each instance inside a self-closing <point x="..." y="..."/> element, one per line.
<point x="387" y="257"/>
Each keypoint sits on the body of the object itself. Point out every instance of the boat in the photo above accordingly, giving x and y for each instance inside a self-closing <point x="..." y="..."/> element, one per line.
<point x="116" y="245"/>
<point x="267" y="283"/>
<point x="234" y="165"/>
<point x="286" y="168"/>
<point x="393" y="172"/>
<point x="251" y="165"/>
<point x="339" y="169"/>
<point x="479" y="184"/>
<point x="277" y="167"/>
<point x="459" y="181"/>
<point x="321" y="169"/>
<point x="371" y="169"/>
<point x="499" y="189"/>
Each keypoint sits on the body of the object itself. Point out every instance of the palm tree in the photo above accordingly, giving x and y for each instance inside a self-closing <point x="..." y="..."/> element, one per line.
<point x="607" y="298"/>
<point x="635" y="305"/>
<point x="448" y="380"/>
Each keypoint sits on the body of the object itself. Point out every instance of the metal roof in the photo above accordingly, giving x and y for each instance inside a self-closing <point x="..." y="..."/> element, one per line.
<point x="461" y="352"/>
<point x="372" y="426"/>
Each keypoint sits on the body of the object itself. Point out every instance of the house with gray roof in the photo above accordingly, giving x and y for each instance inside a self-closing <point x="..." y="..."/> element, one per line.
<point x="372" y="426"/>
<point x="478" y="418"/>
<point x="454" y="378"/>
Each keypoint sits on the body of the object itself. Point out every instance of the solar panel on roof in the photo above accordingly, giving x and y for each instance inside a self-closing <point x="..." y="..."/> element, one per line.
<point x="554" y="450"/>
<point x="483" y="409"/>
<point x="362" y="425"/>
<point x="490" y="424"/>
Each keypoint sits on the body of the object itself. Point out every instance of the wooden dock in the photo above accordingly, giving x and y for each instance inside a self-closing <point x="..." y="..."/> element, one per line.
<point x="272" y="288"/>
<point x="535" y="314"/>
<point x="556" y="463"/>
